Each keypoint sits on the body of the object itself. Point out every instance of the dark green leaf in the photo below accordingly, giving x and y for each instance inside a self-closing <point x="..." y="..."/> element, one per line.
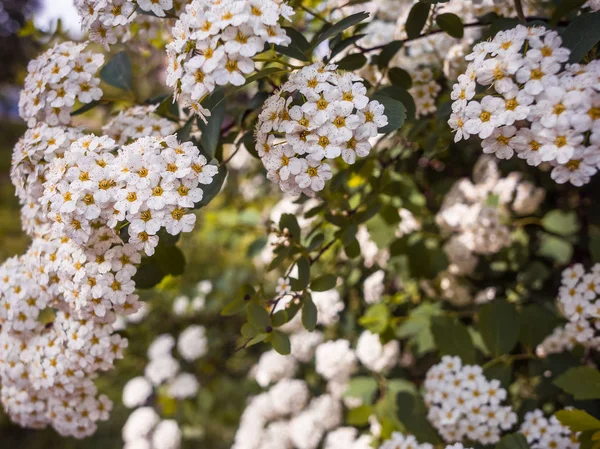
<point x="451" y="24"/>
<point x="337" y="28"/>
<point x="280" y="342"/>
<point x="501" y="371"/>
<point x="309" y="313"/>
<point x="249" y="143"/>
<point x="298" y="39"/>
<point x="117" y="72"/>
<point x="582" y="383"/>
<point x="183" y="133"/>
<point x="148" y="274"/>
<point x="256" y="247"/>
<point x="499" y="326"/>
<point x="211" y="130"/>
<point x="264" y="73"/>
<point x="452" y="338"/>
<point x="290" y="222"/>
<point x="564" y="8"/>
<point x="352" y="249"/>
<point x="86" y="107"/>
<point x="315" y="242"/>
<point x="292" y="52"/>
<point x="303" y="273"/>
<point x="400" y="77"/>
<point x="513" y="441"/>
<point x="342" y="45"/>
<point x="536" y="324"/>
<point x="257" y="339"/>
<point x="394" y="110"/>
<point x="352" y="62"/>
<point x="561" y="223"/>
<point x="403" y="96"/>
<point x="387" y="53"/>
<point x="417" y="17"/>
<point x="582" y="34"/>
<point x="323" y="283"/>
<point x="211" y="190"/>
<point x="170" y="259"/>
<point x="413" y="415"/>
<point x="258" y="317"/>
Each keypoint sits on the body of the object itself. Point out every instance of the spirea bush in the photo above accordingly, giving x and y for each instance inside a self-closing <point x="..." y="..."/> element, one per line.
<point x="302" y="225"/>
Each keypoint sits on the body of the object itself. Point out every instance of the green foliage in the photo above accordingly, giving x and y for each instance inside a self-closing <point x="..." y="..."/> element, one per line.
<point x="417" y="18"/>
<point x="581" y="382"/>
<point x="582" y="34"/>
<point x="561" y="223"/>
<point x="513" y="441"/>
<point x="117" y="71"/>
<point x="451" y="337"/>
<point x="451" y="24"/>
<point x="577" y="420"/>
<point x="499" y="326"/>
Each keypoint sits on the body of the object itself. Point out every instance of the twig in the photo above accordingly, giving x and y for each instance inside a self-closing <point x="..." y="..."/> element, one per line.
<point x="314" y="13"/>
<point x="519" y="10"/>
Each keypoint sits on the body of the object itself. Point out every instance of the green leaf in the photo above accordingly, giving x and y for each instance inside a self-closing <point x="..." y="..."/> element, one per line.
<point x="280" y="342"/>
<point x="183" y="133"/>
<point x="234" y="307"/>
<point x="400" y="77"/>
<point x="582" y="383"/>
<point x="323" y="283"/>
<point x="342" y="45"/>
<point x="452" y="338"/>
<point x="291" y="51"/>
<point x="582" y="34"/>
<point x="256" y="247"/>
<point x="86" y="107"/>
<point x="363" y="388"/>
<point x="561" y="223"/>
<point x="309" y="313"/>
<point x="376" y="318"/>
<point x="413" y="415"/>
<point x="264" y="73"/>
<point x="352" y="249"/>
<point x="577" y="420"/>
<point x="501" y="371"/>
<point x="211" y="130"/>
<point x="290" y="222"/>
<point x="339" y="27"/>
<point x="359" y="416"/>
<point x="499" y="326"/>
<point x="117" y="72"/>
<point x="257" y="339"/>
<point x="388" y="52"/>
<point x="250" y="144"/>
<point x="148" y="274"/>
<point x="536" y="324"/>
<point x="403" y="96"/>
<point x="169" y="259"/>
<point x="564" y="8"/>
<point x="417" y="17"/>
<point x="352" y="62"/>
<point x="513" y="441"/>
<point x="298" y="39"/>
<point x="556" y="248"/>
<point x="451" y="24"/>
<point x="316" y="241"/>
<point x="394" y="110"/>
<point x="211" y="190"/>
<point x="258" y="317"/>
<point x="303" y="273"/>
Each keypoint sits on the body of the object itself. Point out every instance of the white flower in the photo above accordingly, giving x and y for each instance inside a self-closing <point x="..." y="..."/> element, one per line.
<point x="192" y="343"/>
<point x="136" y="392"/>
<point x="167" y="435"/>
<point x="499" y="143"/>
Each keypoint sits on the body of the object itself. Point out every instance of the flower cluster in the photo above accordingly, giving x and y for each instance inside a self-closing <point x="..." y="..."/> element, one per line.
<point x="542" y="433"/>
<point x="184" y="305"/>
<point x="318" y="115"/>
<point x="579" y="302"/>
<point x="401" y="441"/>
<point x="31" y="158"/>
<point x="463" y="404"/>
<point x="215" y="41"/>
<point x="424" y="91"/>
<point x="539" y="107"/>
<point x="56" y="80"/>
<point x="285" y="415"/>
<point x="476" y="215"/>
<point x="138" y="121"/>
<point x="107" y="19"/>
<point x="151" y="183"/>
<point x="142" y="428"/>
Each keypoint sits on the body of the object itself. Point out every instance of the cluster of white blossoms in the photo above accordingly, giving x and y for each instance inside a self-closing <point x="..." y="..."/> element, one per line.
<point x="317" y="115"/>
<point x="424" y="91"/>
<point x="151" y="184"/>
<point x="284" y="416"/>
<point x="56" y="80"/>
<point x="215" y="41"/>
<point x="579" y="303"/>
<point x="138" y="121"/>
<point x="184" y="305"/>
<point x="539" y="107"/>
<point x="106" y="20"/>
<point x="32" y="155"/>
<point x="464" y="405"/>
<point x="401" y="441"/>
<point x="162" y="376"/>
<point x="476" y="214"/>
<point x="543" y="433"/>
